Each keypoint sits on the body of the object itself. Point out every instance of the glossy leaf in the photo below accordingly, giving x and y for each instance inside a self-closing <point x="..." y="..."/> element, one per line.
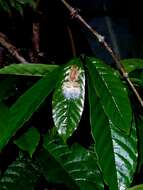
<point x="117" y="153"/>
<point x="29" y="141"/>
<point x="28" y="69"/>
<point x="125" y="150"/>
<point x="68" y="99"/>
<point x="26" y="105"/>
<point x="112" y="93"/>
<point x="20" y="174"/>
<point x="77" y="166"/>
<point x="132" y="64"/>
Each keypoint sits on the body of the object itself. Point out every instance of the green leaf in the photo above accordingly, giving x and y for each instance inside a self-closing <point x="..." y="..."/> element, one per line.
<point x="77" y="166"/>
<point x="29" y="141"/>
<point x="28" y="69"/>
<point x="4" y="6"/>
<point x="68" y="99"/>
<point x="135" y="69"/>
<point x="20" y="175"/>
<point x="137" y="187"/>
<point x="26" y="105"/>
<point x="113" y="95"/>
<point x="132" y="64"/>
<point x="117" y="152"/>
<point x="16" y="4"/>
<point x="125" y="150"/>
<point x="139" y="123"/>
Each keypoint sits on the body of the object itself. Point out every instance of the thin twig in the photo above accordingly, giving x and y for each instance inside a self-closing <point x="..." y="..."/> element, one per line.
<point x="35" y="50"/>
<point x="36" y="37"/>
<point x="11" y="48"/>
<point x="71" y="41"/>
<point x="74" y="13"/>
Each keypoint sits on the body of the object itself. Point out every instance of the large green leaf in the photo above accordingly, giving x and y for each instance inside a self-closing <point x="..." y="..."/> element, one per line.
<point x="20" y="175"/>
<point x="77" y="166"/>
<point x="125" y="150"/>
<point x="117" y="152"/>
<point x="132" y="64"/>
<point x="68" y="99"/>
<point x="29" y="141"/>
<point x="26" y="105"/>
<point x="28" y="69"/>
<point x="112" y="93"/>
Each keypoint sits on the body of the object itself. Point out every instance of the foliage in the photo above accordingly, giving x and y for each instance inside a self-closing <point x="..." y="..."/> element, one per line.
<point x="112" y="158"/>
<point x="20" y="174"/>
<point x="18" y="5"/>
<point x="137" y="187"/>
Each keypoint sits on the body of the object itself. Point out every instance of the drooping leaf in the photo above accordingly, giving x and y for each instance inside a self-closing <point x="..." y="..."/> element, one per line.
<point x="125" y="150"/>
<point x="20" y="175"/>
<point x="137" y="187"/>
<point x="29" y="141"/>
<point x="112" y="93"/>
<point x="132" y="64"/>
<point x="68" y="99"/>
<point x="77" y="166"/>
<point x="26" y="105"/>
<point x="28" y="69"/>
<point x="117" y="152"/>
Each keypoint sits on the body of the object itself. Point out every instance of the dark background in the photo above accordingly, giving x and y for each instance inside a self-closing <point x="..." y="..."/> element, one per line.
<point x="120" y="21"/>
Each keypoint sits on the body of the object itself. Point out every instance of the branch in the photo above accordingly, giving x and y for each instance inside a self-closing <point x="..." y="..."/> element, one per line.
<point x="74" y="13"/>
<point x="36" y="37"/>
<point x="11" y="48"/>
<point x="71" y="41"/>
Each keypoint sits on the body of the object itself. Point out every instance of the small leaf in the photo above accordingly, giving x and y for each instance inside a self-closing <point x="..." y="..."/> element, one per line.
<point x="29" y="141"/>
<point x="68" y="99"/>
<point x="28" y="69"/>
<point x="135" y="69"/>
<point x="137" y="187"/>
<point x="117" y="153"/>
<point x="20" y="174"/>
<point x="4" y="6"/>
<point x="77" y="166"/>
<point x="26" y="105"/>
<point x="132" y="64"/>
<point x="112" y="93"/>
